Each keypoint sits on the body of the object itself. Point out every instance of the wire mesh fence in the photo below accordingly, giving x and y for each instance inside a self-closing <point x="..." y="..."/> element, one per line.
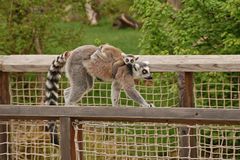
<point x="27" y="140"/>
<point x="28" y="88"/>
<point x="154" y="141"/>
<point x="211" y="90"/>
<point x="122" y="140"/>
<point x="217" y="90"/>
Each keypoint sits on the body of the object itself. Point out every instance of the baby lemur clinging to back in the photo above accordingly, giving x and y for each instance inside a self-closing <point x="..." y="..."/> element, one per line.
<point x="110" y="56"/>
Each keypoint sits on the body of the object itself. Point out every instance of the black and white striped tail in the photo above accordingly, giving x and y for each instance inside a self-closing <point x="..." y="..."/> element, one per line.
<point x="51" y="90"/>
<point x="53" y="77"/>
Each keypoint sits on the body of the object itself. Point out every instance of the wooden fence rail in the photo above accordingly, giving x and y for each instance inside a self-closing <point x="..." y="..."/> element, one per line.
<point x="186" y="65"/>
<point x="162" y="115"/>
<point x="67" y="114"/>
<point x="176" y="63"/>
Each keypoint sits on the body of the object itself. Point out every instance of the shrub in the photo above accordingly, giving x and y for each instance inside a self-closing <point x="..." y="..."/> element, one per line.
<point x="114" y="8"/>
<point x="199" y="27"/>
<point x="28" y="27"/>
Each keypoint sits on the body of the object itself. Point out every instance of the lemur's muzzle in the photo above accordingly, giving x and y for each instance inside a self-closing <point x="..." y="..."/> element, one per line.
<point x="148" y="77"/>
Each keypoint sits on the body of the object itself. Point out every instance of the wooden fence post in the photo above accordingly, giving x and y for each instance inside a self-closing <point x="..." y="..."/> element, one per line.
<point x="72" y="142"/>
<point x="79" y="144"/>
<point x="4" y="99"/>
<point x="80" y="139"/>
<point x="65" y="141"/>
<point x="187" y="100"/>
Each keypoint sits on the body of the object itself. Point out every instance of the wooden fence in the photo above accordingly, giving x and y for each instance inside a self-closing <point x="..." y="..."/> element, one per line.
<point x="67" y="114"/>
<point x="185" y="65"/>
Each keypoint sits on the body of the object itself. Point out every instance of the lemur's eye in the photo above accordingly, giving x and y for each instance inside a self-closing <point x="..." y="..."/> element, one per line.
<point x="144" y="71"/>
<point x="127" y="60"/>
<point x="132" y="61"/>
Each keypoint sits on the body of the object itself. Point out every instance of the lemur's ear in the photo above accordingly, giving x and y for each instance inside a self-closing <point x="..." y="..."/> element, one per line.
<point x="66" y="54"/>
<point x="136" y="58"/>
<point x="100" y="47"/>
<point x="123" y="54"/>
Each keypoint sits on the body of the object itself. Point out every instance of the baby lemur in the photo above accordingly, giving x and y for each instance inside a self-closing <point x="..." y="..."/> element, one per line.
<point x="88" y="62"/>
<point x="109" y="56"/>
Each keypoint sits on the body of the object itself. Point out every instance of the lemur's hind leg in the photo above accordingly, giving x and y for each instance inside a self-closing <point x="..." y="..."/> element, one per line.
<point x="66" y="93"/>
<point x="81" y="83"/>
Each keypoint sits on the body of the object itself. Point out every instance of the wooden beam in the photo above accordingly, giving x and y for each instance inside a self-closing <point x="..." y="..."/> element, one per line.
<point x="4" y="88"/>
<point x="65" y="128"/>
<point x="79" y="138"/>
<point x="72" y="142"/>
<point x="1" y="61"/>
<point x="165" y="115"/>
<point x="27" y="63"/>
<point x="170" y="63"/>
<point x="187" y="141"/>
<point x="193" y="63"/>
<point x="4" y="99"/>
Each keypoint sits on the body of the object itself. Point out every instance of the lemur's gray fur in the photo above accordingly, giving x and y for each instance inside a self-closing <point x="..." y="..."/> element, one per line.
<point x="84" y="64"/>
<point x="88" y="62"/>
<point x="83" y="73"/>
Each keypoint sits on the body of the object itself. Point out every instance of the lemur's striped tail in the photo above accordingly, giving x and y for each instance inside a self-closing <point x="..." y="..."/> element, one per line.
<point x="51" y="90"/>
<point x="53" y="77"/>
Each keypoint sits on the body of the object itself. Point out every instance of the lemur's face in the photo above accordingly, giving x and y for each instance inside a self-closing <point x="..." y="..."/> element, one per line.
<point x="141" y="70"/>
<point x="130" y="59"/>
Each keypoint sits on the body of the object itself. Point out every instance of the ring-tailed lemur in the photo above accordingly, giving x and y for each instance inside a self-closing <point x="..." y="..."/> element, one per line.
<point x="82" y="68"/>
<point x="88" y="62"/>
<point x="81" y="74"/>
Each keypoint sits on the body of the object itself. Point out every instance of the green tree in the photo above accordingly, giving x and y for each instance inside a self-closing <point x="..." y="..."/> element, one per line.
<point x="30" y="27"/>
<point x="199" y="27"/>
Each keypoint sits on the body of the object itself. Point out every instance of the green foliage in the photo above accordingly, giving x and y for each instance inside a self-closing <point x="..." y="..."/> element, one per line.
<point x="26" y="26"/>
<point x="126" y="39"/>
<point x="114" y="8"/>
<point x="63" y="36"/>
<point x="200" y="27"/>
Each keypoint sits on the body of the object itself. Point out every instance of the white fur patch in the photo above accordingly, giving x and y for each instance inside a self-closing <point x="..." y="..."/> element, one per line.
<point x="49" y="84"/>
<point x="53" y="101"/>
<point x="49" y="76"/>
<point x="52" y="68"/>
<point x="47" y="94"/>
<point x="60" y="60"/>
<point x="137" y="66"/>
<point x="56" y="63"/>
<point x="146" y="62"/>
<point x="123" y="54"/>
<point x="54" y="93"/>
<point x="56" y="85"/>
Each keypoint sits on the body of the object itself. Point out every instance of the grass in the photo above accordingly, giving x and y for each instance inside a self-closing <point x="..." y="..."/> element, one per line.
<point x="125" y="39"/>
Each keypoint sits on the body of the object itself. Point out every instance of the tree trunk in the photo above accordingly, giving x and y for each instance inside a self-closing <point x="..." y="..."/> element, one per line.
<point x="175" y="3"/>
